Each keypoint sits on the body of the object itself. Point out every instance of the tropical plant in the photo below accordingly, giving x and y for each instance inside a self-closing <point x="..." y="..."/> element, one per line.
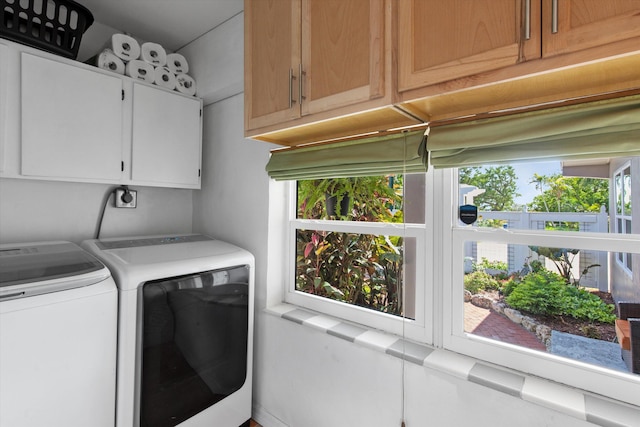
<point x="569" y="194"/>
<point x="370" y="196"/>
<point x="563" y="259"/>
<point x="360" y="269"/>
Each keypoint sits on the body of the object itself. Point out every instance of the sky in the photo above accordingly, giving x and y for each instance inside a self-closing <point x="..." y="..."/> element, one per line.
<point x="525" y="171"/>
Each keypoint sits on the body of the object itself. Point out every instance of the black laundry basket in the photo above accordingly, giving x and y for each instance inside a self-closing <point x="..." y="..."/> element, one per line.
<point x="55" y="26"/>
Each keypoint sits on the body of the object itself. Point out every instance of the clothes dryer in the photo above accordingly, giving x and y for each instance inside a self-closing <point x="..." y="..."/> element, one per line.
<point x="185" y="334"/>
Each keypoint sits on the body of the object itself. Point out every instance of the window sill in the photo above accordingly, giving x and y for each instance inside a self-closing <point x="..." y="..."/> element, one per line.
<point x="576" y="403"/>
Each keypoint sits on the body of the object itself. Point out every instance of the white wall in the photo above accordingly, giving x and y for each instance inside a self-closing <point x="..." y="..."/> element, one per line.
<point x="34" y="210"/>
<point x="303" y="377"/>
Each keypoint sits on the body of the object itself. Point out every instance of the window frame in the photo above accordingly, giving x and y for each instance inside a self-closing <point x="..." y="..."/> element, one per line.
<point x="441" y="322"/>
<point x="619" y="385"/>
<point x="419" y="329"/>
<point x="623" y="259"/>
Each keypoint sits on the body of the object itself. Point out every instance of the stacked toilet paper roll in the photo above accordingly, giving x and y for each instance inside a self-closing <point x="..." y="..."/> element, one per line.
<point x="146" y="61"/>
<point x="153" y="53"/>
<point x="124" y="47"/>
<point x="165" y="78"/>
<point x="177" y="63"/>
<point x="140" y="70"/>
<point x="107" y="60"/>
<point x="185" y="84"/>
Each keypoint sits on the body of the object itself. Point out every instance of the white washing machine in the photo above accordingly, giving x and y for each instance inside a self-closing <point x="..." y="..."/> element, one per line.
<point x="185" y="334"/>
<point x="58" y="330"/>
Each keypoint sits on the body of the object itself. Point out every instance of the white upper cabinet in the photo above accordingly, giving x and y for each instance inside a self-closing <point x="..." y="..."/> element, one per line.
<point x="71" y="122"/>
<point x="74" y="122"/>
<point x="166" y="138"/>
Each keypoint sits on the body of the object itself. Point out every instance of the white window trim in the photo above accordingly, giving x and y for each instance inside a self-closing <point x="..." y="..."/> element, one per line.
<point x="618" y="385"/>
<point x="418" y="329"/>
<point x="442" y="324"/>
<point x="623" y="217"/>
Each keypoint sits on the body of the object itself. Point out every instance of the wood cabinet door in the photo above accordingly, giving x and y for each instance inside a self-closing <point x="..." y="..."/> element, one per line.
<point x="166" y="139"/>
<point x="343" y="49"/>
<point x="71" y="122"/>
<point x="572" y="25"/>
<point x="443" y="40"/>
<point x="271" y="61"/>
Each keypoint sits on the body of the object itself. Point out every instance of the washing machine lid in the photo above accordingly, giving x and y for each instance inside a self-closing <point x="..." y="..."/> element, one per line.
<point x="30" y="269"/>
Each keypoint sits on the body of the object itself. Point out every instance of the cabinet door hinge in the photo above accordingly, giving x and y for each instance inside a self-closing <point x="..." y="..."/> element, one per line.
<point x="123" y="94"/>
<point x="121" y="166"/>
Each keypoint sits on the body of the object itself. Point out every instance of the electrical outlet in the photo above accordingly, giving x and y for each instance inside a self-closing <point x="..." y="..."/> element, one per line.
<point x="122" y="198"/>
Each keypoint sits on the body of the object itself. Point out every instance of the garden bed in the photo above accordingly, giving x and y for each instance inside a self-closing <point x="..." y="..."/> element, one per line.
<point x="601" y="331"/>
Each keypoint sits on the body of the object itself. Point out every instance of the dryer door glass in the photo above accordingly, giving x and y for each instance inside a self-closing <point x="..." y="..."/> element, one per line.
<point x="194" y="344"/>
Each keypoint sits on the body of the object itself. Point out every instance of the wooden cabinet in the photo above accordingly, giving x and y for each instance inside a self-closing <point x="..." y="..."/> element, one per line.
<point x="441" y="41"/>
<point x="166" y="138"/>
<point x="573" y="25"/>
<point x="71" y="121"/>
<point x="444" y="40"/>
<point x="272" y="55"/>
<point x="305" y="57"/>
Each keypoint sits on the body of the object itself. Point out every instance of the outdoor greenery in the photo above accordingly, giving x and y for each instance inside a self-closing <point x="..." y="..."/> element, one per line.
<point x="569" y="194"/>
<point x="370" y="198"/>
<point x="546" y="293"/>
<point x="563" y="259"/>
<point x="359" y="269"/>
<point x="499" y="183"/>
<point x="479" y="280"/>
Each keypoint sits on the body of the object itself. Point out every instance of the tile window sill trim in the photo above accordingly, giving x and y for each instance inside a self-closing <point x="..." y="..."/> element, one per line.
<point x="564" y="399"/>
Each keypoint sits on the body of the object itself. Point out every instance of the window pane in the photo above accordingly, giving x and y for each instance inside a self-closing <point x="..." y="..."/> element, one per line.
<point x="360" y="269"/>
<point x="371" y="199"/>
<point x="626" y="191"/>
<point x="536" y="196"/>
<point x="391" y="198"/>
<point x="618" y="195"/>
<point x="553" y="300"/>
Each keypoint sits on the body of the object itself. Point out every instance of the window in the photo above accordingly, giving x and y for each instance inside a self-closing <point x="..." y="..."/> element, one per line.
<point x="557" y="228"/>
<point x="358" y="242"/>
<point x="540" y="251"/>
<point x="623" y="213"/>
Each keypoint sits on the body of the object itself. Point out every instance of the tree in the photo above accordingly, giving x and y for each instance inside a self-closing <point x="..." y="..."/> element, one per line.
<point x="569" y="194"/>
<point x="499" y="183"/>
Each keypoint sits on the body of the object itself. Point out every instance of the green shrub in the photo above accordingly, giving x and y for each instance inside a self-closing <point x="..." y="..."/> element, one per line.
<point x="494" y="265"/>
<point x="537" y="294"/>
<point x="546" y="293"/>
<point x="509" y="286"/>
<point x="479" y="281"/>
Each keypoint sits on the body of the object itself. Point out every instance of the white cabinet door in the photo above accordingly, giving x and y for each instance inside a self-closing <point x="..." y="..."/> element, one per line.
<point x="71" y="122"/>
<point x="166" y="139"/>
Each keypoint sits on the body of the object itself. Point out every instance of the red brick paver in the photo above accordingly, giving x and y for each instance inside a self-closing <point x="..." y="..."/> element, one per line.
<point x="489" y="324"/>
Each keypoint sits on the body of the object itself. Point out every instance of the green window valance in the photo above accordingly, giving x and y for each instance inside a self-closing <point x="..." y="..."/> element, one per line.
<point x="609" y="128"/>
<point x="381" y="155"/>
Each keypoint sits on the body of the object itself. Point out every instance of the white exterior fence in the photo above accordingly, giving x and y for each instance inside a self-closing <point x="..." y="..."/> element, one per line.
<point x="517" y="255"/>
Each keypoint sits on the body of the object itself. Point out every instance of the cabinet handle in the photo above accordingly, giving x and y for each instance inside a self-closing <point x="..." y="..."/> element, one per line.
<point x="301" y="97"/>
<point x="527" y="19"/>
<point x="554" y="16"/>
<point x="291" y="79"/>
